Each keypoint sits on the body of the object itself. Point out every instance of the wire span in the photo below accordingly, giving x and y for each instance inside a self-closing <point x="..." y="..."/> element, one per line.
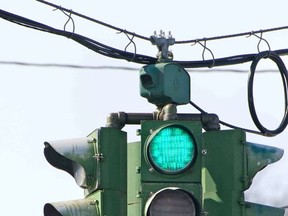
<point x="104" y="67"/>
<point x="148" y="38"/>
<point x="142" y="59"/>
<point x="120" y="54"/>
<point x="94" y="20"/>
<point x="231" y="35"/>
<point x="87" y="42"/>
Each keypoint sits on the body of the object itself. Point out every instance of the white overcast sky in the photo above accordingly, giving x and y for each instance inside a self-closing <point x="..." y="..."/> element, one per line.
<point x="40" y="104"/>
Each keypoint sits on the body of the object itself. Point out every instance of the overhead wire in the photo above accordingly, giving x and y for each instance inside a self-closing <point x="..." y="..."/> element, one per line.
<point x="249" y="33"/>
<point x="71" y="66"/>
<point x="108" y="67"/>
<point x="148" y="38"/>
<point x="120" y="54"/>
<point x="94" y="20"/>
<point x="87" y="42"/>
<point x="143" y="59"/>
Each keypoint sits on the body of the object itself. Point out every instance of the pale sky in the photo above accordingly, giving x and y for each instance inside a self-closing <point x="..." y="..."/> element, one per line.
<point x="40" y="104"/>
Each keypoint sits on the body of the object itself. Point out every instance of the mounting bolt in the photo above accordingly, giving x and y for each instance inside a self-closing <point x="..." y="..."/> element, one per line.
<point x="204" y="152"/>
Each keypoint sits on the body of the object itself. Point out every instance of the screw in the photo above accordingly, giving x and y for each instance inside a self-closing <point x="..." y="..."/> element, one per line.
<point x="204" y="152"/>
<point x="99" y="157"/>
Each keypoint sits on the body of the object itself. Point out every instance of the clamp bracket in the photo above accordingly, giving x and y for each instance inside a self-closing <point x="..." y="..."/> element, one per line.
<point x="162" y="42"/>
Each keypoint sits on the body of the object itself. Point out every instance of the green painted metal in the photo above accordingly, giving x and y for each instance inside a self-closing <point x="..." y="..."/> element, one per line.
<point x="120" y="179"/>
<point x="165" y="83"/>
<point x="229" y="165"/>
<point x="84" y="207"/>
<point x="256" y="209"/>
<point x="74" y="156"/>
<point x="99" y="165"/>
<point x="153" y="180"/>
<point x="259" y="156"/>
<point x="133" y="179"/>
<point x="111" y="157"/>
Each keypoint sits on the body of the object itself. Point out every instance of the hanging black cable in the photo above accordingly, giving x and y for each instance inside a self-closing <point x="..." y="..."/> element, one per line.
<point x="120" y="54"/>
<point x="284" y="75"/>
<point x="225" y="123"/>
<point x="148" y="39"/>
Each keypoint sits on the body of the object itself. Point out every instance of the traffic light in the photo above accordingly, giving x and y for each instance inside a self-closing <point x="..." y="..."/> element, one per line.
<point x="170" y="170"/>
<point x="229" y="165"/>
<point x="98" y="164"/>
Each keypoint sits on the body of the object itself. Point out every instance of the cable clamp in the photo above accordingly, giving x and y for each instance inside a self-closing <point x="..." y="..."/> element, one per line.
<point x="162" y="42"/>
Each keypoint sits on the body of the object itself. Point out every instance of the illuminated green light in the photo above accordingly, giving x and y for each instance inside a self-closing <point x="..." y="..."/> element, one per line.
<point x="172" y="149"/>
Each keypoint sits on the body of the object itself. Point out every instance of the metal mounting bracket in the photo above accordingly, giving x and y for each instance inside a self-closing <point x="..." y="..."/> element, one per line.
<point x="162" y="42"/>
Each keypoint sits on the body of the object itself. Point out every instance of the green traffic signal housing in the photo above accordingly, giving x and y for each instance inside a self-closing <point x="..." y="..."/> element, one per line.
<point x="175" y="169"/>
<point x="184" y="171"/>
<point x="98" y="164"/>
<point x="171" y="168"/>
<point x="229" y="165"/>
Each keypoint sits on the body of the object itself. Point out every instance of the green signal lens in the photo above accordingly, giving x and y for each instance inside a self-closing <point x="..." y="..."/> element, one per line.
<point x="171" y="149"/>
